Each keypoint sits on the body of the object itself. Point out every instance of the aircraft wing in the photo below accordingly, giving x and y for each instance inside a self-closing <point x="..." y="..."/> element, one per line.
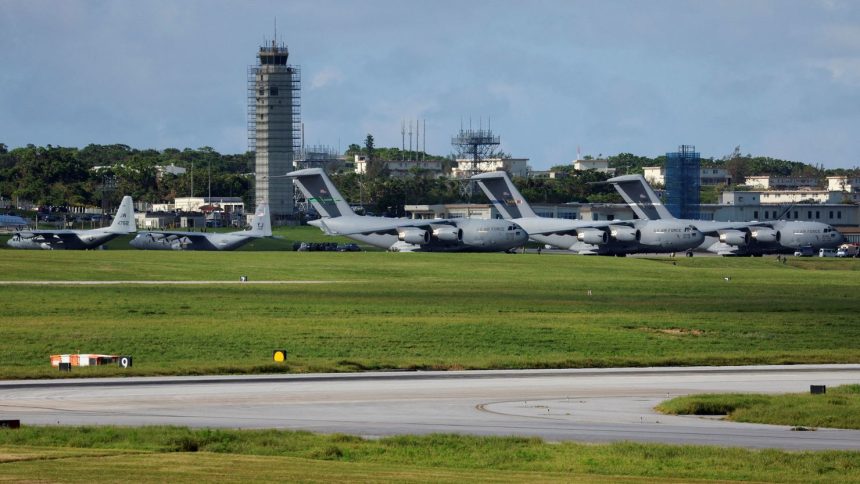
<point x="51" y="235"/>
<point x="391" y="226"/>
<point x="573" y="229"/>
<point x="168" y="237"/>
<point x="713" y="228"/>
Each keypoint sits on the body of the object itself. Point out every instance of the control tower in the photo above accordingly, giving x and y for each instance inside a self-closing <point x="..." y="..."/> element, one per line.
<point x="274" y="126"/>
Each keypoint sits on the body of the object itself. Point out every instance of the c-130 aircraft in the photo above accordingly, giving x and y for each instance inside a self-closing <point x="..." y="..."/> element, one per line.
<point x="609" y="237"/>
<point x="403" y="234"/>
<point x="123" y="223"/>
<point x="261" y="226"/>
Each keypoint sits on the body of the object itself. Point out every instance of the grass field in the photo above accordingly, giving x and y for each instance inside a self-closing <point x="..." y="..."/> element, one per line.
<point x="838" y="408"/>
<point x="427" y="311"/>
<point x="182" y="455"/>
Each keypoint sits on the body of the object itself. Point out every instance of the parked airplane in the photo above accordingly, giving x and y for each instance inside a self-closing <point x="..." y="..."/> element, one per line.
<point x="261" y="226"/>
<point x="123" y="223"/>
<point x="403" y="234"/>
<point x="610" y="237"/>
<point x="731" y="238"/>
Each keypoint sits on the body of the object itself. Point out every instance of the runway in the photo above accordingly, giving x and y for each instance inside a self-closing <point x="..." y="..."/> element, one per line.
<point x="592" y="405"/>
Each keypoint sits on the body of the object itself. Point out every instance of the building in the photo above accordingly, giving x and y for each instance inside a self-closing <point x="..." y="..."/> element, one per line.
<point x="774" y="182"/>
<point x="403" y="168"/>
<point x="596" y="165"/>
<point x="514" y="166"/>
<point x="570" y="211"/>
<point x="656" y="175"/>
<point x="683" y="183"/>
<point x="843" y="184"/>
<point x="274" y="127"/>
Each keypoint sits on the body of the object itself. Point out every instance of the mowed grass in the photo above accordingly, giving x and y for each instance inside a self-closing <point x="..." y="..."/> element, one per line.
<point x="422" y="311"/>
<point x="180" y="454"/>
<point x="838" y="408"/>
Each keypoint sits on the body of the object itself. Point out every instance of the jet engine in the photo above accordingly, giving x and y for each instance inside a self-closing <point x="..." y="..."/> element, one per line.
<point x="448" y="234"/>
<point x="624" y="234"/>
<point x="766" y="235"/>
<point x="735" y="237"/>
<point x="411" y="235"/>
<point x="593" y="236"/>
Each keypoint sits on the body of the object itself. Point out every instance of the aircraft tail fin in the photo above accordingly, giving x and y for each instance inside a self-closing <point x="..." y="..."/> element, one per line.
<point x="504" y="195"/>
<point x="321" y="192"/>
<point x="641" y="197"/>
<point x="123" y="222"/>
<point x="261" y="225"/>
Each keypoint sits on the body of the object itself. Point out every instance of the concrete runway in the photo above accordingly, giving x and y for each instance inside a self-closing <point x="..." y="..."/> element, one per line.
<point x="592" y="405"/>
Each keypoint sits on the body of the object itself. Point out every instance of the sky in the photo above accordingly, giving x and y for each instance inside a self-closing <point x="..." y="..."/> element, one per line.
<point x="779" y="78"/>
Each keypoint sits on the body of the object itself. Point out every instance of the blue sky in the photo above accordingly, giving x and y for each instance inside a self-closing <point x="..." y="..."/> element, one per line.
<point x="779" y="78"/>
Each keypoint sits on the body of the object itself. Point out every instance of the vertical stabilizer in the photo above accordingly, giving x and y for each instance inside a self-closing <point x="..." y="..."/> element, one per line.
<point x="321" y="192"/>
<point x="123" y="222"/>
<point x="641" y="197"/>
<point x="261" y="225"/>
<point x="504" y="195"/>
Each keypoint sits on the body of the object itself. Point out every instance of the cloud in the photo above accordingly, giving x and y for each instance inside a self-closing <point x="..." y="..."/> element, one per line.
<point x="326" y="77"/>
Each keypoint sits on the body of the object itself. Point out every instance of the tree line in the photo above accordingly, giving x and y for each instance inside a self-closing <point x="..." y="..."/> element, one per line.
<point x="68" y="176"/>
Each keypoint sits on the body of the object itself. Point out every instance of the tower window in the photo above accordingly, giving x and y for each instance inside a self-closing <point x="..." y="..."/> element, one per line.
<point x="273" y="91"/>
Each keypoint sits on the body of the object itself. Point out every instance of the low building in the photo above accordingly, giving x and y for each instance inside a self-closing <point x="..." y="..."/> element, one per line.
<point x="404" y="168"/>
<point x="570" y="211"/>
<point x="514" y="166"/>
<point x="656" y="175"/>
<point x="196" y="204"/>
<point x="774" y="182"/>
<point x="843" y="184"/>
<point x="155" y="220"/>
<point x="600" y="165"/>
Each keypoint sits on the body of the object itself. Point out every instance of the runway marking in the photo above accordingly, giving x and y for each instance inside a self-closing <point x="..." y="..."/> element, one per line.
<point x="152" y="283"/>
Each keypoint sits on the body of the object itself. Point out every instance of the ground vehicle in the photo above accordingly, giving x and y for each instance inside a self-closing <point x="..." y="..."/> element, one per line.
<point x="848" y="250"/>
<point x="805" y="251"/>
<point x="827" y="253"/>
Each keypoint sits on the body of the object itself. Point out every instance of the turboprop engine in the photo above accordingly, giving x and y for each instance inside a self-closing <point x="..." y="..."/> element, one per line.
<point x="766" y="235"/>
<point x="622" y="233"/>
<point x="593" y="236"/>
<point x="735" y="237"/>
<point x="448" y="234"/>
<point x="411" y="235"/>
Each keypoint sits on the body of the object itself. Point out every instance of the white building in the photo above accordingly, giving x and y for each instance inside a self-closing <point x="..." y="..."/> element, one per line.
<point x="656" y="175"/>
<point x="597" y="165"/>
<point x="773" y="182"/>
<point x="195" y="204"/>
<point x="514" y="166"/>
<point x="843" y="184"/>
<point x="401" y="169"/>
<point x="570" y="211"/>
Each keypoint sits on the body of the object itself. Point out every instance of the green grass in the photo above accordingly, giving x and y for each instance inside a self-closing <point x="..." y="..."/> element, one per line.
<point x="423" y="311"/>
<point x="838" y="408"/>
<point x="180" y="454"/>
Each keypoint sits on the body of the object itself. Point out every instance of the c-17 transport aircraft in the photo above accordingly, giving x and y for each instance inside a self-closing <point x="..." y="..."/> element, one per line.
<point x="261" y="226"/>
<point x="123" y="223"/>
<point x="610" y="237"/>
<point x="403" y="234"/>
<point x="731" y="238"/>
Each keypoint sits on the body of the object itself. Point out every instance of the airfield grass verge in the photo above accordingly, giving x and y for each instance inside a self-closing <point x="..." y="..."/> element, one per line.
<point x="838" y="408"/>
<point x="174" y="453"/>
<point x="377" y="311"/>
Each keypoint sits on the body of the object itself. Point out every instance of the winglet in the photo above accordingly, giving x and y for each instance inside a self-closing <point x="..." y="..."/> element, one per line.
<point x="504" y="195"/>
<point x="123" y="222"/>
<point x="321" y="192"/>
<point x="641" y="197"/>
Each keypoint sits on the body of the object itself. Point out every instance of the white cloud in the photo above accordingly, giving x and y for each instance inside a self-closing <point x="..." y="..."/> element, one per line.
<point x="326" y="77"/>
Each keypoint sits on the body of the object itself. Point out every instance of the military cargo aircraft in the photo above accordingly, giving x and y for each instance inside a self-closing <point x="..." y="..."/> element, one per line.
<point x="731" y="238"/>
<point x="123" y="223"/>
<point x="403" y="234"/>
<point x="261" y="226"/>
<point x="609" y="237"/>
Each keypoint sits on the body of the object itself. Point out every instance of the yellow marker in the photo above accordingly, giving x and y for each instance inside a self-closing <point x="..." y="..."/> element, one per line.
<point x="279" y="356"/>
